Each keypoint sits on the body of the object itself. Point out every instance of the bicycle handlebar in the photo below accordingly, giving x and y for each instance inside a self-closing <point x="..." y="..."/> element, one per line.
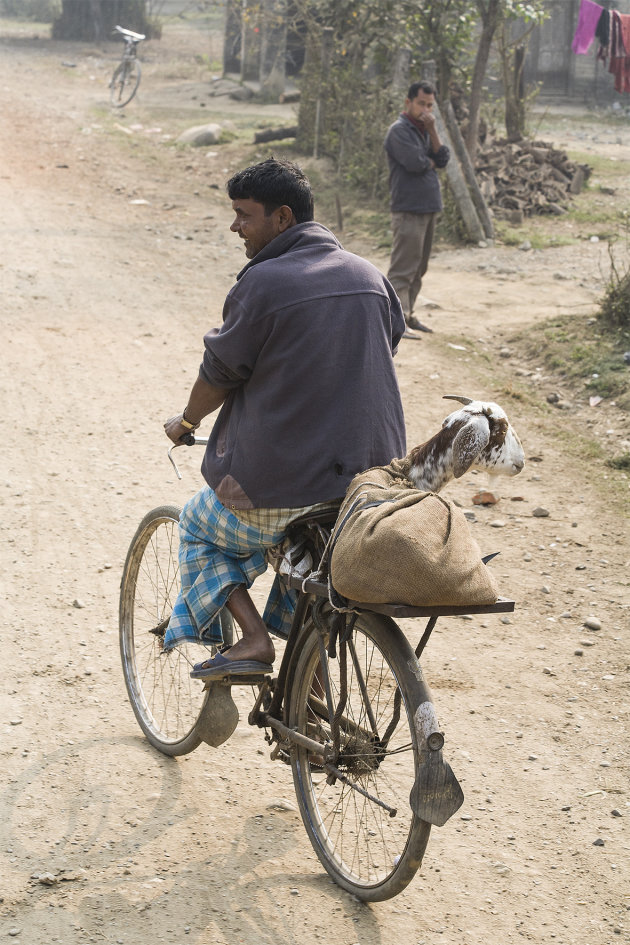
<point x="189" y="440"/>
<point x="129" y="35"/>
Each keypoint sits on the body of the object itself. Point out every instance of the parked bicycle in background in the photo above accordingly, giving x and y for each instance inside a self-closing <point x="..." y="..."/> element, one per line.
<point x="126" y="78"/>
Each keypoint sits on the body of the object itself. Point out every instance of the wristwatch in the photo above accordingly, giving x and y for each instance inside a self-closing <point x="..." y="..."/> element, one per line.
<point x="186" y="423"/>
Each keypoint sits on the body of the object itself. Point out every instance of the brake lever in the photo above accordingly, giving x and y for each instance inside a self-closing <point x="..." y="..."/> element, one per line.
<point x="173" y="463"/>
<point x="189" y="439"/>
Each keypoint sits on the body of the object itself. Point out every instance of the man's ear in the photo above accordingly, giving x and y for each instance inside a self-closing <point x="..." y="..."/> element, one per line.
<point x="285" y="218"/>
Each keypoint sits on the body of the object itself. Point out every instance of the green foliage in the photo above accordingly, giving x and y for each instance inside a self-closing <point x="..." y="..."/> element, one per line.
<point x="615" y="306"/>
<point x="586" y="357"/>
<point x="348" y="93"/>
<point x="525" y="11"/>
<point x="362" y="55"/>
<point x="41" y="11"/>
<point x="620" y="462"/>
<point x="444" y="30"/>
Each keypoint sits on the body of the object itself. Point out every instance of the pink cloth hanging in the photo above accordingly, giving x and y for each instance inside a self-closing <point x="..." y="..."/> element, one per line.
<point x="620" y="50"/>
<point x="588" y="18"/>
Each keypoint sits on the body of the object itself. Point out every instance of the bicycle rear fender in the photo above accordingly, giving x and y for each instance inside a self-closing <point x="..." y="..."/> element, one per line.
<point x="436" y="794"/>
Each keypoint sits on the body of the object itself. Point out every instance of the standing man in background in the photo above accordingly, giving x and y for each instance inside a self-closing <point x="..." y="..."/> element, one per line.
<point x="414" y="151"/>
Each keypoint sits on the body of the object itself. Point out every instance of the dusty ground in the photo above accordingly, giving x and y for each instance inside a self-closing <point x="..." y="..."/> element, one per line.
<point x="104" y="301"/>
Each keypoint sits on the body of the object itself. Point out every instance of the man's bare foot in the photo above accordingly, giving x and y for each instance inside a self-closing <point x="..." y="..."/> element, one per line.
<point x="252" y="649"/>
<point x="255" y="644"/>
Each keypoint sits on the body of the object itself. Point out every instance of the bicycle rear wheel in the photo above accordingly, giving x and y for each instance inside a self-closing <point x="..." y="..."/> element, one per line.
<point x="165" y="700"/>
<point x="369" y="850"/>
<point x="124" y="83"/>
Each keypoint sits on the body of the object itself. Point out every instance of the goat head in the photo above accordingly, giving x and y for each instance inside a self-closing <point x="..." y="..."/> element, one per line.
<point x="478" y="436"/>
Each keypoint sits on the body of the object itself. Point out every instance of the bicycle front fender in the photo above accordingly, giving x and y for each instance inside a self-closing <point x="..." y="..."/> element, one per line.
<point x="218" y="717"/>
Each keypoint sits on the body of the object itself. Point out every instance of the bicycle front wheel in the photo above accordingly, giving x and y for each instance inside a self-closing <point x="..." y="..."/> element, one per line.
<point x="165" y="700"/>
<point x="124" y="83"/>
<point x="361" y="824"/>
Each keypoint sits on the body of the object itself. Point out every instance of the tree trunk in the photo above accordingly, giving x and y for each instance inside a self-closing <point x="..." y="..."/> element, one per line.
<point x="250" y="41"/>
<point x="273" y="50"/>
<point x="232" y="37"/>
<point x="95" y="20"/>
<point x="458" y="185"/>
<point x="489" y="18"/>
<point x="515" y="95"/>
<point x="322" y="91"/>
<point x="400" y="72"/>
<point x="468" y="171"/>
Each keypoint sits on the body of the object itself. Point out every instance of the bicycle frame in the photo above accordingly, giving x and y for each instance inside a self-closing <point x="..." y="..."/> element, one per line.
<point x="348" y="708"/>
<point x="126" y="78"/>
<point x="130" y="51"/>
<point x="436" y="795"/>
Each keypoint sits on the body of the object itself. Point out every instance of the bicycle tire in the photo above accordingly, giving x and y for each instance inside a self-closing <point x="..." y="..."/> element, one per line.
<point x="366" y="851"/>
<point x="124" y="83"/>
<point x="165" y="700"/>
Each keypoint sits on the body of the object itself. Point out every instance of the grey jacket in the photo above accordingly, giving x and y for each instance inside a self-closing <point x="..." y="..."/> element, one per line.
<point x="306" y="351"/>
<point x="413" y="183"/>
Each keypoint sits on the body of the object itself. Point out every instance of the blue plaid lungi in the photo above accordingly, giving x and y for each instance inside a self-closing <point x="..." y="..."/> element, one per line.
<point x="217" y="553"/>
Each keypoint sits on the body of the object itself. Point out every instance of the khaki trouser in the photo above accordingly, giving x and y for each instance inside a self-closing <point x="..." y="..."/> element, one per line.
<point x="411" y="248"/>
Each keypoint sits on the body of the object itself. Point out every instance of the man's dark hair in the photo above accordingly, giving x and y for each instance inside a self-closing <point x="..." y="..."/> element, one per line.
<point x="274" y="184"/>
<point x="423" y="86"/>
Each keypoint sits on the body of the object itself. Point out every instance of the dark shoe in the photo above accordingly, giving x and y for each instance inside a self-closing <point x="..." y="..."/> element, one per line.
<point x="416" y="324"/>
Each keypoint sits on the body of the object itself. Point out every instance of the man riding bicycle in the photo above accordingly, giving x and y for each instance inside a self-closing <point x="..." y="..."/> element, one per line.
<point x="302" y="369"/>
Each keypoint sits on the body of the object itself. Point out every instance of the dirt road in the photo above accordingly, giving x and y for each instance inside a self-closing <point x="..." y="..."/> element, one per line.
<point x="115" y="259"/>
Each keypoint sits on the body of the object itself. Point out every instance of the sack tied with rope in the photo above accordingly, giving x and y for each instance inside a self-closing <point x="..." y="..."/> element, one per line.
<point x="393" y="544"/>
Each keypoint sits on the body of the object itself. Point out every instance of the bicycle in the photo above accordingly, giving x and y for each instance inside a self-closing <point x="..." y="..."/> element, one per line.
<point x="126" y="78"/>
<point x="349" y="709"/>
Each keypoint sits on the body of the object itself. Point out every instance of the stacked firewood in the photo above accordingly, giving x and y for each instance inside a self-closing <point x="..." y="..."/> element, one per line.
<point x="526" y="178"/>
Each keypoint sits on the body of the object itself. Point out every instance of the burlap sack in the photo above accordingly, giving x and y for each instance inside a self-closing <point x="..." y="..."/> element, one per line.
<point x="393" y="544"/>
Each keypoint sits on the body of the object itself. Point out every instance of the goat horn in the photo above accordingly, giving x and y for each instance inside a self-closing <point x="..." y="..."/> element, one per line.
<point x="462" y="400"/>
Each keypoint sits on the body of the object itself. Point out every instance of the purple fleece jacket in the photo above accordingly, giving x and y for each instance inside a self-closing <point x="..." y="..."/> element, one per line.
<point x="413" y="184"/>
<point x="305" y="350"/>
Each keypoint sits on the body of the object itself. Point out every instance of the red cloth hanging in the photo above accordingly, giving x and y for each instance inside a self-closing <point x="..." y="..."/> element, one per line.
<point x="619" y="65"/>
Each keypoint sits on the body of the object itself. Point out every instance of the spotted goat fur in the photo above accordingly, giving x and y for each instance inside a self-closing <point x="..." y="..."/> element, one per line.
<point x="478" y="436"/>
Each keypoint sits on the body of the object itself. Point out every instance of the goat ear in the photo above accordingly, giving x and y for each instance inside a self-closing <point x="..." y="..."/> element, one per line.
<point x="468" y="444"/>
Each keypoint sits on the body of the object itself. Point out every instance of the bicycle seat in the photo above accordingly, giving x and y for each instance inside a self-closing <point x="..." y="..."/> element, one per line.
<point x="136" y="37"/>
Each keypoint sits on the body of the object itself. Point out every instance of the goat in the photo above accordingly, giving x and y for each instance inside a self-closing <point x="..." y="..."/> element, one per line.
<point x="479" y="436"/>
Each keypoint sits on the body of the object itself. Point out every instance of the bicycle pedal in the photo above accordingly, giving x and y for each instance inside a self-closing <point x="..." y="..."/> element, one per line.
<point x="246" y="679"/>
<point x="280" y="752"/>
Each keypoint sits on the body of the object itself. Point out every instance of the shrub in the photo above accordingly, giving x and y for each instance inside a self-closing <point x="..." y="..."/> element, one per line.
<point x="614" y="310"/>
